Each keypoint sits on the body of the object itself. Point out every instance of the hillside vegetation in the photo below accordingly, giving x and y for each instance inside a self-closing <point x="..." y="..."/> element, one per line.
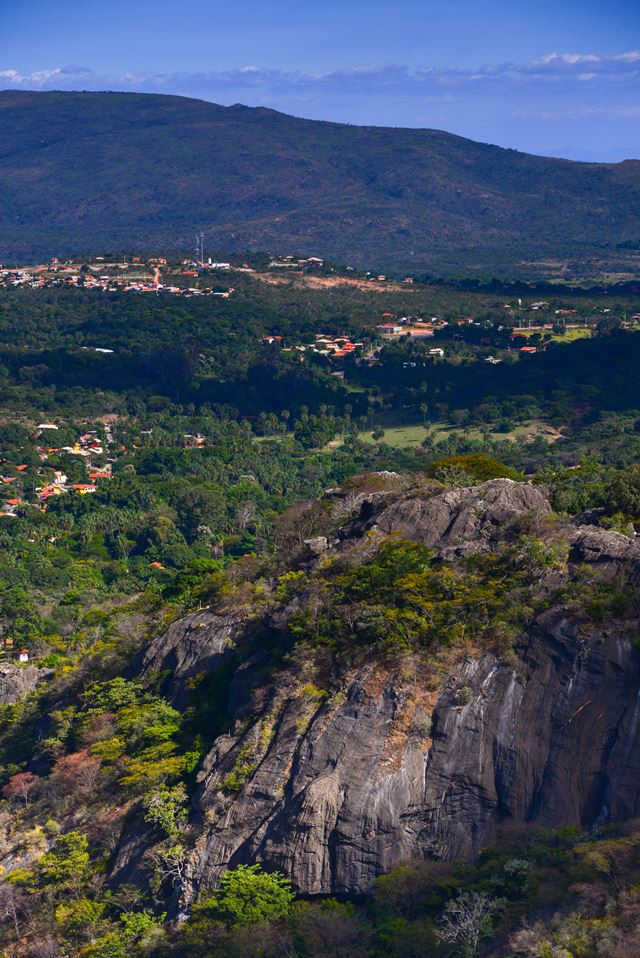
<point x="373" y="663"/>
<point x="115" y="170"/>
<point x="266" y="670"/>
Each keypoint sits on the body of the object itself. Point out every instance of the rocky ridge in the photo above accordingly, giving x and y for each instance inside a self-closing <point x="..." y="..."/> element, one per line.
<point x="337" y="788"/>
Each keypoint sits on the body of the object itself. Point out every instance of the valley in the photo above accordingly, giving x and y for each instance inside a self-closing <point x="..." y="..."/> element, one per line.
<point x="318" y="612"/>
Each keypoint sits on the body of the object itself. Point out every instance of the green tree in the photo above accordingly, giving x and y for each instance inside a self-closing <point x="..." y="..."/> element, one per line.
<point x="148" y="724"/>
<point x="68" y="862"/>
<point x="623" y="493"/>
<point x="112" y="695"/>
<point x="154" y="767"/>
<point x="165" y="808"/>
<point x="248" y="895"/>
<point x="141" y="933"/>
<point x="80" y="920"/>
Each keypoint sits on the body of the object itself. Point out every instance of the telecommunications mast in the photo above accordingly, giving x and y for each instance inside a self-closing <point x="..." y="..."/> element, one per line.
<point x="200" y="247"/>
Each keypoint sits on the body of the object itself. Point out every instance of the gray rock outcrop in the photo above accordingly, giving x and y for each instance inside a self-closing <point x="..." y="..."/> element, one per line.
<point x="336" y="786"/>
<point x="192" y="645"/>
<point x="462" y="521"/>
<point x="347" y="792"/>
<point x="16" y="682"/>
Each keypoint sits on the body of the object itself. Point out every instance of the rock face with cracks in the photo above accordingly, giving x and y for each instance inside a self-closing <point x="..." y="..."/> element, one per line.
<point x="336" y="789"/>
<point x="459" y="521"/>
<point x="16" y="682"/>
<point x="198" y="643"/>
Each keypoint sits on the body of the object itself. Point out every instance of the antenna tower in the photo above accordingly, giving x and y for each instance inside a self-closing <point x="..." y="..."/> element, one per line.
<point x="200" y="247"/>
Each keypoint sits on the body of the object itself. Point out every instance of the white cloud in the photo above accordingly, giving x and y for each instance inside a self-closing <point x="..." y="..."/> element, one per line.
<point x="554" y="67"/>
<point x="613" y="112"/>
<point x="573" y="59"/>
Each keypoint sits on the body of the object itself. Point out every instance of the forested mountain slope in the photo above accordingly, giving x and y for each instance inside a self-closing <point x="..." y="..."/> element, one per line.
<point x="80" y="171"/>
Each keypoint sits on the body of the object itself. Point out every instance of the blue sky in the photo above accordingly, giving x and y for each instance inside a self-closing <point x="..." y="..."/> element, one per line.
<point x="557" y="77"/>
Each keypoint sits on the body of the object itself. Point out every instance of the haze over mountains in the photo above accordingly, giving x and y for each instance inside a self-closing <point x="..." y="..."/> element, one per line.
<point x="115" y="171"/>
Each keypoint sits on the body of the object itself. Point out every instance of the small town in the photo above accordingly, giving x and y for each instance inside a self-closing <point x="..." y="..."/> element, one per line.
<point x="135" y="276"/>
<point x="46" y="482"/>
<point x="96" y="451"/>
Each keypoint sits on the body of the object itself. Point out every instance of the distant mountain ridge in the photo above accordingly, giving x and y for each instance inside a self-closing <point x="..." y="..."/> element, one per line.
<point x="112" y="171"/>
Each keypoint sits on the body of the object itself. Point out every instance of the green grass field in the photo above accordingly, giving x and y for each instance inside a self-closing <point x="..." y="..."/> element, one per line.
<point x="569" y="336"/>
<point x="399" y="435"/>
<point x="412" y="434"/>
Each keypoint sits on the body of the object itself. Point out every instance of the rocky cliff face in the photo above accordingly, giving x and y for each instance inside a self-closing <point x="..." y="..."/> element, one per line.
<point x="198" y="643"/>
<point x="336" y="788"/>
<point x="459" y="521"/>
<point x="15" y="682"/>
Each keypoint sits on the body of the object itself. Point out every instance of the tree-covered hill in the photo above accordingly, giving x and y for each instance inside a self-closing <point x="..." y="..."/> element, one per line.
<point x="115" y="170"/>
